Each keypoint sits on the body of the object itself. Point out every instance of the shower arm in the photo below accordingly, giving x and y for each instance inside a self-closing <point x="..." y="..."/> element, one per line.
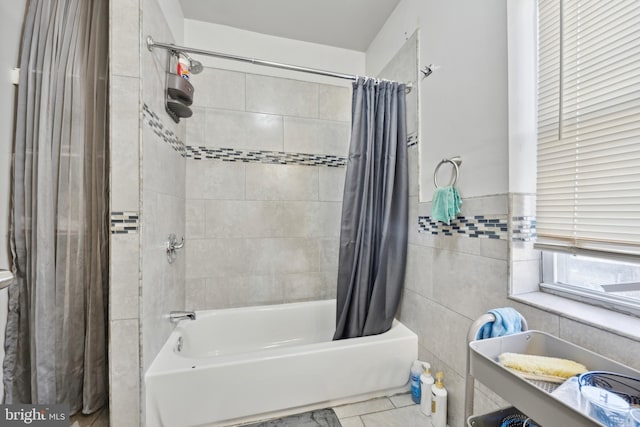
<point x="152" y="44"/>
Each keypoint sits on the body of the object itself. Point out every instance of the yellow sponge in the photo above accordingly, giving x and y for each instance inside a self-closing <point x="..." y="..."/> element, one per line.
<point x="541" y="365"/>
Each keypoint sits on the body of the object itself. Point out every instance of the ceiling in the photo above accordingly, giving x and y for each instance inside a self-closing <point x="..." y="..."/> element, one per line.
<point x="350" y="24"/>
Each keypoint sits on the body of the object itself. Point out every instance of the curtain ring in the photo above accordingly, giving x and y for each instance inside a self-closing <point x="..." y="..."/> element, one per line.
<point x="454" y="162"/>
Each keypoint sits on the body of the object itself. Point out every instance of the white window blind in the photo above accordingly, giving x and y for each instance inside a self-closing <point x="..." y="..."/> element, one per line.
<point x="588" y="182"/>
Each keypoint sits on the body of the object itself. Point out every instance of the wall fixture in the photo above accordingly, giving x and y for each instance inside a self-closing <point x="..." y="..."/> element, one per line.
<point x="455" y="162"/>
<point x="173" y="246"/>
<point x="427" y="70"/>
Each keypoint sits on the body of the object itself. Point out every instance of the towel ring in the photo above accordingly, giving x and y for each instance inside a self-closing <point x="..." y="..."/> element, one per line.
<point x="455" y="161"/>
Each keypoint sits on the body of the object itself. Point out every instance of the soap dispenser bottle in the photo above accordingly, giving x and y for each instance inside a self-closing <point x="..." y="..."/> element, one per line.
<point x="426" y="381"/>
<point x="439" y="402"/>
<point x="414" y="379"/>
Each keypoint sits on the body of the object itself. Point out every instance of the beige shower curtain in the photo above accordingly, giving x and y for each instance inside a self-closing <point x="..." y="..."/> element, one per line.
<point x="56" y="350"/>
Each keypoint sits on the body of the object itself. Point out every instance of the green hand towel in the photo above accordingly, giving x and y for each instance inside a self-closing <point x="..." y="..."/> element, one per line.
<point x="445" y="204"/>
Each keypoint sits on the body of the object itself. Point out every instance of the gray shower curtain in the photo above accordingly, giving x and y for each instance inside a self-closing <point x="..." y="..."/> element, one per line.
<point x="56" y="349"/>
<point x="373" y="234"/>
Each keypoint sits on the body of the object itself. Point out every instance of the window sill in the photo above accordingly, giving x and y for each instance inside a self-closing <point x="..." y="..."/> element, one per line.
<point x="597" y="317"/>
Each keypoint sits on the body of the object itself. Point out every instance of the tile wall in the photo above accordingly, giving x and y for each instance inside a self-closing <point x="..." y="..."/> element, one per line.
<point x="162" y="194"/>
<point x="147" y="203"/>
<point x="124" y="347"/>
<point x="264" y="180"/>
<point x="452" y="278"/>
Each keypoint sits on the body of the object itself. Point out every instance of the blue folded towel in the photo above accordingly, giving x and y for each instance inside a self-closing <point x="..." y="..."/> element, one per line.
<point x="445" y="204"/>
<point x="508" y="321"/>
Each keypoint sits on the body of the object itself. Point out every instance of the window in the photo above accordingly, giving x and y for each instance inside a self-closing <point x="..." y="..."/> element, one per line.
<point x="588" y="155"/>
<point x="612" y="284"/>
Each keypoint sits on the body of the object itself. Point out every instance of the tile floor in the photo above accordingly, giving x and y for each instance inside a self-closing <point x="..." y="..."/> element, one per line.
<point x="394" y="411"/>
<point x="97" y="419"/>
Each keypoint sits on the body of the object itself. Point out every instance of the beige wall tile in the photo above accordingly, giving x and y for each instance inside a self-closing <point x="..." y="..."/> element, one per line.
<point x="302" y="286"/>
<point x="275" y="256"/>
<point x="494" y="248"/>
<point x="620" y="349"/>
<point x="215" y="257"/>
<point x="311" y="219"/>
<point x="194" y="219"/>
<point x="331" y="185"/>
<point x="196" y="128"/>
<point x="446" y="334"/>
<point x="334" y="103"/>
<point x="538" y="319"/>
<point x="281" y="182"/>
<point x="154" y="63"/>
<point x="275" y="95"/>
<point x="215" y="180"/>
<point x="124" y="288"/>
<point x="414" y="313"/>
<point x="486" y="205"/>
<point x="163" y="168"/>
<point x="242" y="291"/>
<point x="215" y="88"/>
<point x="419" y="270"/>
<point x="163" y="291"/>
<point x="469" y="284"/>
<point x="316" y="136"/>
<point x="249" y="131"/>
<point x="170" y="218"/>
<point x="196" y="294"/>
<point x="124" y="406"/>
<point x="124" y="52"/>
<point x="125" y="143"/>
<point x="244" y="218"/>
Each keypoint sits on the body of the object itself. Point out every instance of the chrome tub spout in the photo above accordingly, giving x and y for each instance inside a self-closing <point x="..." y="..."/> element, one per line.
<point x="176" y="316"/>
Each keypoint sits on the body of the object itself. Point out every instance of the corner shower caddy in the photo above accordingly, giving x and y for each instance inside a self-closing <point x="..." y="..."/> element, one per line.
<point x="532" y="397"/>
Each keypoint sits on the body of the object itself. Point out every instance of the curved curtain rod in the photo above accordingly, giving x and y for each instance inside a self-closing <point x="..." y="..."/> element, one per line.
<point x="152" y="44"/>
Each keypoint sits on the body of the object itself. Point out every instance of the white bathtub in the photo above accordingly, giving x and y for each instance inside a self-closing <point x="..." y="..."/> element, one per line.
<point x="243" y="364"/>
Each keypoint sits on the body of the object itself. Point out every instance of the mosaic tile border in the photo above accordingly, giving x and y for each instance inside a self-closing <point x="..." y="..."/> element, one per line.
<point x="152" y="120"/>
<point x="125" y="222"/>
<point x="412" y="140"/>
<point x="476" y="227"/>
<point x="523" y="228"/>
<point x="260" y="156"/>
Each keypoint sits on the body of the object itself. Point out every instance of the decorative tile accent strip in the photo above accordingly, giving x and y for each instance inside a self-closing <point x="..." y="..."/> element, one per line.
<point x="412" y="140"/>
<point x="477" y="226"/>
<point x="125" y="222"/>
<point x="523" y="228"/>
<point x="275" y="157"/>
<point x="152" y="120"/>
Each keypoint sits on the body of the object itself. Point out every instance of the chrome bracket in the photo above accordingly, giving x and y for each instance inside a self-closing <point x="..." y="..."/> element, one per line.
<point x="172" y="246"/>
